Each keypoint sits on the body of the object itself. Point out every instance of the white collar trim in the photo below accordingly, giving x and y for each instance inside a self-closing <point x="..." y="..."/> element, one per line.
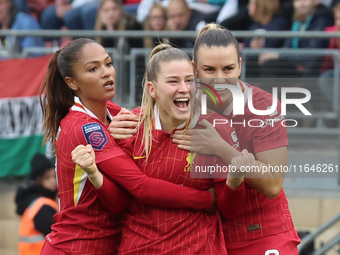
<point x="86" y="110"/>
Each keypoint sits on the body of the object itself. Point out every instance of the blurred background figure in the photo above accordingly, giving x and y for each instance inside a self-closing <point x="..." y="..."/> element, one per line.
<point x="265" y="16"/>
<point x="36" y="205"/>
<point x="325" y="84"/>
<point x="11" y="18"/>
<point x="76" y="14"/>
<point x="155" y="21"/>
<point x="308" y="16"/>
<point x="182" y="18"/>
<point x="112" y="17"/>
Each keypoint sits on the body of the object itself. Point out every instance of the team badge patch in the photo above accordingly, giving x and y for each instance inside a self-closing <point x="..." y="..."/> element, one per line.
<point x="95" y="135"/>
<point x="234" y="136"/>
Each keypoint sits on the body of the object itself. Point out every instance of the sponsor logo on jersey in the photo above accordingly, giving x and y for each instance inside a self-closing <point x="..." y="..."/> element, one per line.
<point x="95" y="135"/>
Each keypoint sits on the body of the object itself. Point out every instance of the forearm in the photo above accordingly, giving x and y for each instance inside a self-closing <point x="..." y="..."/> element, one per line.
<point x="230" y="201"/>
<point x="154" y="191"/>
<point x="113" y="195"/>
<point x="260" y="177"/>
<point x="225" y="151"/>
<point x="96" y="179"/>
<point x="264" y="180"/>
<point x="170" y="195"/>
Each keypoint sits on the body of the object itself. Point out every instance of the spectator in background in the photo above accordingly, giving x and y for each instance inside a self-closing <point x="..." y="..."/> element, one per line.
<point x="265" y="15"/>
<point x="11" y="18"/>
<point x="200" y="6"/>
<point x="36" y="205"/>
<point x="156" y="21"/>
<point x="131" y="6"/>
<point x="110" y="17"/>
<point x="76" y="14"/>
<point x="325" y="82"/>
<point x="306" y="18"/>
<point x="33" y="7"/>
<point x="36" y="7"/>
<point x="182" y="18"/>
<point x="241" y="20"/>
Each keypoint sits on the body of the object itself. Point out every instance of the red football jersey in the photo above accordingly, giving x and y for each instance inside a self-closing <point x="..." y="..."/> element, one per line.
<point x="84" y="225"/>
<point x="260" y="216"/>
<point x="156" y="230"/>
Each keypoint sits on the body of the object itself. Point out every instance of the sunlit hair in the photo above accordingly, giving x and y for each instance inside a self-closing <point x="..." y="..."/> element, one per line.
<point x="148" y="41"/>
<point x="266" y="10"/>
<point x="163" y="53"/>
<point x="121" y="23"/>
<point x="58" y="95"/>
<point x="213" y="35"/>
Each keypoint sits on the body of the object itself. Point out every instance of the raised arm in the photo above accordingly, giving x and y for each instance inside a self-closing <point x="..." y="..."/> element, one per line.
<point x="231" y="193"/>
<point x="149" y="190"/>
<point x="103" y="186"/>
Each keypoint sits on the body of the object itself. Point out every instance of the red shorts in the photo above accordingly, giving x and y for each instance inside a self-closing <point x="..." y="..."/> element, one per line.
<point x="280" y="244"/>
<point x="48" y="249"/>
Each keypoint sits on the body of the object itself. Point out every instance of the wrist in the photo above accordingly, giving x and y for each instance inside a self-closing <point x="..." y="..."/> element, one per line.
<point x="218" y="148"/>
<point x="234" y="183"/>
<point x="96" y="179"/>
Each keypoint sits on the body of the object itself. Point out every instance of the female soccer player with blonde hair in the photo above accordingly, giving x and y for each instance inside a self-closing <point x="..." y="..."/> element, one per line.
<point x="165" y="108"/>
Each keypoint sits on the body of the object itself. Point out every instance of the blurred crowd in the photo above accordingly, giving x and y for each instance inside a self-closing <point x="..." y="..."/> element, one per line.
<point x="191" y="15"/>
<point x="175" y="15"/>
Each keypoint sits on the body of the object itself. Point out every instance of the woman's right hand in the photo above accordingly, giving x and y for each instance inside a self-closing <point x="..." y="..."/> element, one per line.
<point x="85" y="157"/>
<point x="123" y="125"/>
<point x="237" y="168"/>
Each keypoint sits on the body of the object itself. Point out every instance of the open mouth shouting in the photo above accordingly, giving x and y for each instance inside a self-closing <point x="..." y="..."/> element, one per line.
<point x="182" y="103"/>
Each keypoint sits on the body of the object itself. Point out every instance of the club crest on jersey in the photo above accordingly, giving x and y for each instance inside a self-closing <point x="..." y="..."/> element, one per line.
<point x="95" y="135"/>
<point x="234" y="136"/>
<point x="190" y="159"/>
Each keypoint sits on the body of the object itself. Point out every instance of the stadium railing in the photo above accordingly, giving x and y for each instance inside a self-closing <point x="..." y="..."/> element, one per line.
<point x="311" y="237"/>
<point x="125" y="59"/>
<point x="134" y="60"/>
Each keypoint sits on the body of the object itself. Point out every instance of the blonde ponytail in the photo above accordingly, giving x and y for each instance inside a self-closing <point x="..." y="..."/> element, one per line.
<point x="163" y="53"/>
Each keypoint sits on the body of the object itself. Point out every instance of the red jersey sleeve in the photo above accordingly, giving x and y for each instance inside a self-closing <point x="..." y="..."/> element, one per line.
<point x="229" y="201"/>
<point x="127" y="145"/>
<point x="153" y="191"/>
<point x="91" y="131"/>
<point x="116" y="193"/>
<point x="269" y="133"/>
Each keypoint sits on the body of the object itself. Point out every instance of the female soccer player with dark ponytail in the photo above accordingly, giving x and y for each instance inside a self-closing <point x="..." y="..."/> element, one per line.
<point x="78" y="84"/>
<point x="165" y="108"/>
